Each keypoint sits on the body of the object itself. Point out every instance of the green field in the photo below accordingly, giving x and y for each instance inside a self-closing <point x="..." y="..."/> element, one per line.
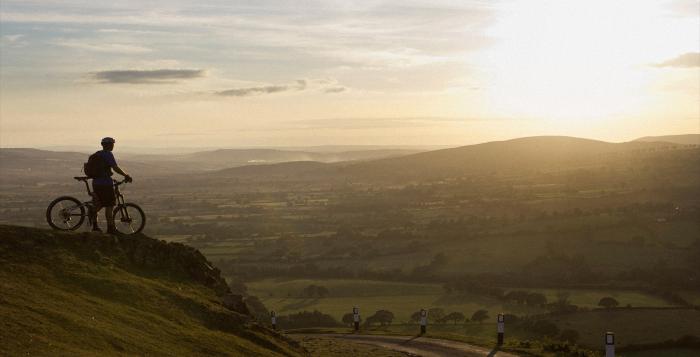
<point x="403" y="299"/>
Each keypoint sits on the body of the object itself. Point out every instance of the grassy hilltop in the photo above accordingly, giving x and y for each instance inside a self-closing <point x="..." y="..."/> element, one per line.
<point x="88" y="294"/>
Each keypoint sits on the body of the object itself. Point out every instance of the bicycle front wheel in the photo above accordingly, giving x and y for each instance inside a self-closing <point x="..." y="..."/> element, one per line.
<point x="65" y="213"/>
<point x="129" y="218"/>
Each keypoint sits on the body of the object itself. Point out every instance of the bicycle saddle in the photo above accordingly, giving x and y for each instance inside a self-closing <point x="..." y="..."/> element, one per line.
<point x="81" y="178"/>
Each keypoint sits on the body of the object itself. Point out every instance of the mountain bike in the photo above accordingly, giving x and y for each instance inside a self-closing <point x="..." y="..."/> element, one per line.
<point x="67" y="213"/>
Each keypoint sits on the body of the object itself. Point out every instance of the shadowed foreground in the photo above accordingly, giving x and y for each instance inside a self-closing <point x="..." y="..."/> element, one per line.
<point x="74" y="294"/>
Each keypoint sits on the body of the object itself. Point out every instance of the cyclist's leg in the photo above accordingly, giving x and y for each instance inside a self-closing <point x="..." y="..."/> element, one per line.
<point x="109" y="215"/>
<point x="96" y="210"/>
<point x="107" y="200"/>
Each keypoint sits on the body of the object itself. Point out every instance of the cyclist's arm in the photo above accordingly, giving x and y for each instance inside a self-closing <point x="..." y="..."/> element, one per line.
<point x="118" y="170"/>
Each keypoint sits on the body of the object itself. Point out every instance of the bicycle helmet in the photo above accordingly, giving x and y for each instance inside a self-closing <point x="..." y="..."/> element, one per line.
<point x="107" y="140"/>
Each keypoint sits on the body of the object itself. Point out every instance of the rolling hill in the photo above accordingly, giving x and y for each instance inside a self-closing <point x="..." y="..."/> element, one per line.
<point x="92" y="294"/>
<point x="33" y="164"/>
<point x="683" y="139"/>
<point x="511" y="157"/>
<point x="226" y="158"/>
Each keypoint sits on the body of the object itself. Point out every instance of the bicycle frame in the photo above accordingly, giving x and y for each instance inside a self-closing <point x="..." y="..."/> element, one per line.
<point x="120" y="201"/>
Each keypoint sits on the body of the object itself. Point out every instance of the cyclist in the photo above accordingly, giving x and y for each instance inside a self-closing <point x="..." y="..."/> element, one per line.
<point x="103" y="187"/>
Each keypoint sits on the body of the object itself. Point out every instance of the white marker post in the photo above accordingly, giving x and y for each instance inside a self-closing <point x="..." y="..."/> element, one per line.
<point x="356" y="317"/>
<point x="423" y="321"/>
<point x="273" y="317"/>
<point x="609" y="344"/>
<point x="500" y="328"/>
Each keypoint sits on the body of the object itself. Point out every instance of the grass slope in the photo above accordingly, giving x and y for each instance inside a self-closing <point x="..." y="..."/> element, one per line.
<point x="88" y="294"/>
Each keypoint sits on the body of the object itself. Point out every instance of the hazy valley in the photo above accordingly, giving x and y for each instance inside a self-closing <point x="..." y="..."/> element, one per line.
<point x="460" y="229"/>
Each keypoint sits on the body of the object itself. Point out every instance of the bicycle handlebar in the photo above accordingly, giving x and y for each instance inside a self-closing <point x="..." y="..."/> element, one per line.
<point x="117" y="183"/>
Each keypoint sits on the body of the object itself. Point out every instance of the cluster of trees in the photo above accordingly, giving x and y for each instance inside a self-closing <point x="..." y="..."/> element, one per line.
<point x="526" y="298"/>
<point x="562" y="304"/>
<point x="381" y="317"/>
<point x="438" y="315"/>
<point x="307" y="319"/>
<point x="349" y="319"/>
<point x="608" y="302"/>
<point x="472" y="286"/>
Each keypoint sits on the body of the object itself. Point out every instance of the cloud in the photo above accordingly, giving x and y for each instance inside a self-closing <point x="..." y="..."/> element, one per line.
<point x="684" y="8"/>
<point x="334" y="90"/>
<point x="13" y="40"/>
<point x="299" y="85"/>
<point x="686" y="60"/>
<point x="382" y="122"/>
<point x="157" y="76"/>
<point x="107" y="47"/>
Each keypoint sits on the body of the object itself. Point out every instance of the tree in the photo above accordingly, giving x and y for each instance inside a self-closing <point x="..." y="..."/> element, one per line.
<point x="349" y="319"/>
<point x="436" y="314"/>
<point x="383" y="317"/>
<point x="570" y="336"/>
<point x="321" y="291"/>
<point x="608" y="302"/>
<point x="455" y="317"/>
<point x="480" y="316"/>
<point x="415" y="317"/>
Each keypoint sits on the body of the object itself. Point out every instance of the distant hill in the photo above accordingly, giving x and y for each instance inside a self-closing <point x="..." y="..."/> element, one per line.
<point x="26" y="164"/>
<point x="92" y="294"/>
<point x="35" y="164"/>
<point x="517" y="156"/>
<point x="226" y="158"/>
<point x="286" y="170"/>
<point x="684" y="139"/>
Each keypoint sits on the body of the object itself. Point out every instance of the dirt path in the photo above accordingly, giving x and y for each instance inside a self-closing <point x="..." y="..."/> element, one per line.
<point x="418" y="346"/>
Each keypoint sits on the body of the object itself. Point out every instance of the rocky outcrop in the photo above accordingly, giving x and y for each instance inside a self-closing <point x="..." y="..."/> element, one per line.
<point x="235" y="302"/>
<point x="137" y="253"/>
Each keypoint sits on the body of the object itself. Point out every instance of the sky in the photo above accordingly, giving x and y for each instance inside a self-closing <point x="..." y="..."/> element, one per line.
<point x="227" y="73"/>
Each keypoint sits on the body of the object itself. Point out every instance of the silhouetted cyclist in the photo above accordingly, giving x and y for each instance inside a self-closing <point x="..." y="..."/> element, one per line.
<point x="103" y="186"/>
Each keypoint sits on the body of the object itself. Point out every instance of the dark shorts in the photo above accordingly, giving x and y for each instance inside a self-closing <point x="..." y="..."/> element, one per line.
<point x="105" y="195"/>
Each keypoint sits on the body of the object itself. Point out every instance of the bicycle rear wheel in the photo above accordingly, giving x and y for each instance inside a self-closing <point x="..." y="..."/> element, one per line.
<point x="129" y="218"/>
<point x="65" y="213"/>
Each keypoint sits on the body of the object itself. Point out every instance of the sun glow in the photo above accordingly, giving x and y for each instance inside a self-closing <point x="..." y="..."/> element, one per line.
<point x="579" y="60"/>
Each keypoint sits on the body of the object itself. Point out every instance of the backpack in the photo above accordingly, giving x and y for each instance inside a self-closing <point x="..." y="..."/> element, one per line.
<point x="95" y="166"/>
